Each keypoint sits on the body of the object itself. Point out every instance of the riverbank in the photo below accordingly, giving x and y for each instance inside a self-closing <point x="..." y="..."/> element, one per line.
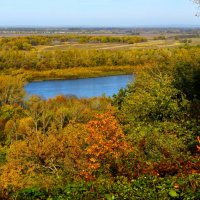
<point x="73" y="73"/>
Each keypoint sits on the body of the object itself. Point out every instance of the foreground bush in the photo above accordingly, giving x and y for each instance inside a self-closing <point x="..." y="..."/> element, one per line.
<point x="144" y="188"/>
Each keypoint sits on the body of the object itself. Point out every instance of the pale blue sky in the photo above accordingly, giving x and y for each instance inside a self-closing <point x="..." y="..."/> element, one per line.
<point x="98" y="13"/>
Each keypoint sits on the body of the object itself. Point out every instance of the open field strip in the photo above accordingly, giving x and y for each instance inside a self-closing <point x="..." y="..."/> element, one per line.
<point x="115" y="46"/>
<point x="195" y="41"/>
<point x="112" y="46"/>
<point x="73" y="73"/>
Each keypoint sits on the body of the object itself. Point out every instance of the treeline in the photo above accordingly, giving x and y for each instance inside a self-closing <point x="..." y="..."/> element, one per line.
<point x="33" y="60"/>
<point x="144" y="143"/>
<point x="28" y="42"/>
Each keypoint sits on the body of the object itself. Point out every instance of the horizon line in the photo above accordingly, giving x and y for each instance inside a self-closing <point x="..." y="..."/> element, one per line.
<point x="100" y="26"/>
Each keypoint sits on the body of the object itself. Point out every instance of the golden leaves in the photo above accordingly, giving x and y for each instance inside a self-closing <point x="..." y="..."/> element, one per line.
<point x="198" y="146"/>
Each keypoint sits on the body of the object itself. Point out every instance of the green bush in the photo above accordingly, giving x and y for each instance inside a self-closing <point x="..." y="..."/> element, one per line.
<point x="144" y="188"/>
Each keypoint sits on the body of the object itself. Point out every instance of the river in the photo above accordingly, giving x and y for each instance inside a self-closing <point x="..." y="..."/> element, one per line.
<point x="88" y="87"/>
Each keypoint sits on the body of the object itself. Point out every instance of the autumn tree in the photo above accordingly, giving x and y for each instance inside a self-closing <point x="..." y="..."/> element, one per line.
<point x="43" y="160"/>
<point x="11" y="90"/>
<point x="106" y="146"/>
<point x="153" y="98"/>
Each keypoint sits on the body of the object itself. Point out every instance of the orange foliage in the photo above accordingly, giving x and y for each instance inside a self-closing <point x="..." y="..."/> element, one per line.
<point x="198" y="146"/>
<point x="107" y="146"/>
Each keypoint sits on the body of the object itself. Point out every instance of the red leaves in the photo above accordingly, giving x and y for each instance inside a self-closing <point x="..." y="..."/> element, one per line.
<point x="165" y="168"/>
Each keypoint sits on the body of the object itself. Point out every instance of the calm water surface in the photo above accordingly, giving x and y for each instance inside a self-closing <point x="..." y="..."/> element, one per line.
<point x="89" y="87"/>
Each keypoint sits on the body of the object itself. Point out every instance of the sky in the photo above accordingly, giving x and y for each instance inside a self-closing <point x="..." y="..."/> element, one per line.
<point x="98" y="13"/>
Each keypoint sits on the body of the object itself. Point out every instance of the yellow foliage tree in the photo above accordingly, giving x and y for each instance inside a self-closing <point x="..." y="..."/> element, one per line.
<point x="43" y="159"/>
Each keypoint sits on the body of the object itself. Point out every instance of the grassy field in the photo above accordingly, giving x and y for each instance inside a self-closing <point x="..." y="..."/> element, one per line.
<point x="112" y="46"/>
<point x="195" y="41"/>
